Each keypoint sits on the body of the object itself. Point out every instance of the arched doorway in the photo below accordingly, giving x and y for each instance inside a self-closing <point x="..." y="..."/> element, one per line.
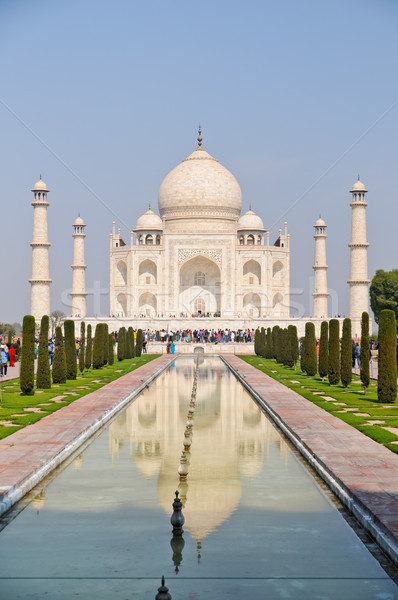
<point x="200" y="287"/>
<point x="147" y="304"/>
<point x="252" y="305"/>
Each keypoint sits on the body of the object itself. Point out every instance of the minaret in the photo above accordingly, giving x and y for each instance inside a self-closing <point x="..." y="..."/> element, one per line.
<point x="40" y="280"/>
<point x="358" y="281"/>
<point x="79" y="270"/>
<point x="320" y="272"/>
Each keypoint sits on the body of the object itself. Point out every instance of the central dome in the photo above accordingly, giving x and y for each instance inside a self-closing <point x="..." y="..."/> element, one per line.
<point x="200" y="186"/>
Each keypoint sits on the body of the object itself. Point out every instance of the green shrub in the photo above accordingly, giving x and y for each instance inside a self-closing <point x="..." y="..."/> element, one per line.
<point x="43" y="375"/>
<point x="129" y="347"/>
<point x="27" y="373"/>
<point x="303" y="356"/>
<point x="365" y="351"/>
<point x="387" y="377"/>
<point x="334" y="352"/>
<point x="292" y="354"/>
<point x="88" y="361"/>
<point x="59" y="359"/>
<point x="82" y="358"/>
<point x="311" y="360"/>
<point x="98" y="347"/>
<point x="111" y="352"/>
<point x="323" y="364"/>
<point x="70" y="349"/>
<point x="121" y="344"/>
<point x="139" y="340"/>
<point x="105" y="341"/>
<point x="274" y="340"/>
<point x="269" y="347"/>
<point x="346" y="354"/>
<point x="256" y="342"/>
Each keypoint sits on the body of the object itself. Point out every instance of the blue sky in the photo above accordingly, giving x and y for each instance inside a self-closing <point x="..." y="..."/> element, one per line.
<point x="103" y="98"/>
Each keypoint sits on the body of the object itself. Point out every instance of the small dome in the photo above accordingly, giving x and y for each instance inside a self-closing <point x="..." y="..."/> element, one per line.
<point x="358" y="187"/>
<point x="40" y="186"/>
<point x="79" y="221"/>
<point x="320" y="223"/>
<point x="149" y="220"/>
<point x="251" y="221"/>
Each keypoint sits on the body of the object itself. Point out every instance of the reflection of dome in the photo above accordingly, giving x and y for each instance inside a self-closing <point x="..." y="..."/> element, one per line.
<point x="40" y="186"/>
<point x="149" y="221"/>
<point x="358" y="187"/>
<point x="251" y="221"/>
<point x="200" y="182"/>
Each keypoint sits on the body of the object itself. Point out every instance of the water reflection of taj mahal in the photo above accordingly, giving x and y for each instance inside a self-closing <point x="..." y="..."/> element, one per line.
<point x="231" y="437"/>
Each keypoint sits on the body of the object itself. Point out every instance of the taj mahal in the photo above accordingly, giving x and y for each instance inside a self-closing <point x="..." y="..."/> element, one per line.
<point x="200" y="258"/>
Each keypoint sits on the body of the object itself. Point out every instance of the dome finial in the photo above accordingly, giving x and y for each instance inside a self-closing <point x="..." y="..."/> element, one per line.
<point x="199" y="136"/>
<point x="40" y="177"/>
<point x="250" y="206"/>
<point x="358" y="176"/>
<point x="149" y="205"/>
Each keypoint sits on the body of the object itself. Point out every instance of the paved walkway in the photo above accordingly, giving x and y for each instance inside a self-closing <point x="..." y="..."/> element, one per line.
<point x="362" y="473"/>
<point x="28" y="455"/>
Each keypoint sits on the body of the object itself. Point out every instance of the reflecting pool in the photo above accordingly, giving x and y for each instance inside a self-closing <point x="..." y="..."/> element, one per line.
<point x="257" y="524"/>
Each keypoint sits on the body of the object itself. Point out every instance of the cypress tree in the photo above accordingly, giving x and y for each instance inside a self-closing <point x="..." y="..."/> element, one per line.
<point x="346" y="354"/>
<point x="334" y="352"/>
<point x="82" y="346"/>
<point x="311" y="361"/>
<point x="89" y="349"/>
<point x="111" y="352"/>
<point x="323" y="365"/>
<point x="303" y="355"/>
<point x="365" y="351"/>
<point x="270" y="348"/>
<point x="130" y="338"/>
<point x="256" y="342"/>
<point x="274" y="340"/>
<point x="59" y="359"/>
<point x="98" y="347"/>
<point x="138" y="345"/>
<point x="43" y="376"/>
<point x="120" y="344"/>
<point x="70" y="349"/>
<point x="126" y="349"/>
<point x="387" y="378"/>
<point x="262" y="343"/>
<point x="292" y="346"/>
<point x="105" y="341"/>
<point x="27" y="374"/>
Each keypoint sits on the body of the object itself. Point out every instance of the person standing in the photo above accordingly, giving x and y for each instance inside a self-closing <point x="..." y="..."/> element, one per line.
<point x="11" y="354"/>
<point x="3" y="359"/>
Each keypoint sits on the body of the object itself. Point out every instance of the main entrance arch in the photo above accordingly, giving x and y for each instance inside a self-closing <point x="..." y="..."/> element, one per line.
<point x="200" y="287"/>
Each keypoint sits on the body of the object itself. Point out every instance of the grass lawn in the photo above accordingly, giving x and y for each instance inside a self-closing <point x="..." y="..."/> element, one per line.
<point x="349" y="404"/>
<point x="17" y="410"/>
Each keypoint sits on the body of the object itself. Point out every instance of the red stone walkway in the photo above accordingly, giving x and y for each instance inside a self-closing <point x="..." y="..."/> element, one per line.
<point x="361" y="472"/>
<point x="28" y="455"/>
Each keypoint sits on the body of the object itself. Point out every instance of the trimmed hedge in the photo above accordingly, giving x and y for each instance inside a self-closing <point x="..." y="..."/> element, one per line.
<point x="387" y="378"/>
<point x="27" y="374"/>
<point x="292" y="355"/>
<point x="105" y="341"/>
<point x="82" y="346"/>
<point x="88" y="361"/>
<point x="111" y="352"/>
<point x="98" y="347"/>
<point x="70" y="349"/>
<point x="311" y="362"/>
<point x="43" y="376"/>
<point x="365" y="351"/>
<point x="334" y="352"/>
<point x="59" y="359"/>
<point x="139" y="340"/>
<point x="256" y="342"/>
<point x="121" y="350"/>
<point x="323" y="363"/>
<point x="346" y="354"/>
